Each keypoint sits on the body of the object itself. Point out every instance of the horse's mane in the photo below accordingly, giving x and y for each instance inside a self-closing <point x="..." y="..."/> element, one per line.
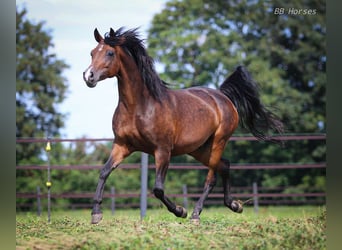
<point x="131" y="43"/>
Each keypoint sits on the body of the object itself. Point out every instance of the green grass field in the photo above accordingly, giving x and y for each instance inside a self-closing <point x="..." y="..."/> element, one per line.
<point x="301" y="227"/>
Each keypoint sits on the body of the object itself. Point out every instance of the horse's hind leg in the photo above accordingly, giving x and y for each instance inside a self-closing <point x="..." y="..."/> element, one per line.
<point x="223" y="170"/>
<point x="208" y="187"/>
<point x="162" y="164"/>
<point x="210" y="155"/>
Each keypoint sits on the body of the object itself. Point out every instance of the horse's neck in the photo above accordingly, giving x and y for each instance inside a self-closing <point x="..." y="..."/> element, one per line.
<point x="132" y="90"/>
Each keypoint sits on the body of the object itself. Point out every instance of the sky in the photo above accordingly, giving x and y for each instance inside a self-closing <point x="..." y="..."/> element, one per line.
<point x="71" y="25"/>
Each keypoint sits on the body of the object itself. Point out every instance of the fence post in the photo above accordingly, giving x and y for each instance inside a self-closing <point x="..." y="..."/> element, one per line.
<point x="185" y="196"/>
<point x="143" y="195"/>
<point x="255" y="197"/>
<point x="112" y="191"/>
<point x="48" y="183"/>
<point x="39" y="208"/>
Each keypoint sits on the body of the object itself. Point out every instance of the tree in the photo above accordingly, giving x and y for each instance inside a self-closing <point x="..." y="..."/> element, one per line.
<point x="199" y="42"/>
<point x="40" y="85"/>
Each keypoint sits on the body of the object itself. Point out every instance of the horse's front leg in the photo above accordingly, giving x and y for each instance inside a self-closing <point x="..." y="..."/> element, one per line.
<point x="162" y="163"/>
<point x="117" y="155"/>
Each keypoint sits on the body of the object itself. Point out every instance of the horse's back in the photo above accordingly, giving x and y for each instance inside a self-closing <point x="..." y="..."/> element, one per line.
<point x="206" y="101"/>
<point x="227" y="114"/>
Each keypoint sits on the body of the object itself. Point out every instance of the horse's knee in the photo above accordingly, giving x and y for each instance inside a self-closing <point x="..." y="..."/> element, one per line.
<point x="212" y="182"/>
<point x="104" y="173"/>
<point x="158" y="193"/>
<point x="106" y="170"/>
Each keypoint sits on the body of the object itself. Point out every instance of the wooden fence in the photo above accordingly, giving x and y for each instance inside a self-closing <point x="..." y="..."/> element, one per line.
<point x="257" y="194"/>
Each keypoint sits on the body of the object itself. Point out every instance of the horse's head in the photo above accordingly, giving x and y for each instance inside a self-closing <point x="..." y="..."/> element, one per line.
<point x="104" y="63"/>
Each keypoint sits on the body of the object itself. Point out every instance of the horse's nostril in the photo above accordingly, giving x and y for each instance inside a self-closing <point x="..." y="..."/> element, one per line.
<point x="88" y="75"/>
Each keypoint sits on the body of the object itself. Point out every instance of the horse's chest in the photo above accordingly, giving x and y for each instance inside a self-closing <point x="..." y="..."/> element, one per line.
<point x="129" y="128"/>
<point x="124" y="127"/>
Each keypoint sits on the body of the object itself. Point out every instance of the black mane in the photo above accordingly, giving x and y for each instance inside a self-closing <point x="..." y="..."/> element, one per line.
<point x="133" y="45"/>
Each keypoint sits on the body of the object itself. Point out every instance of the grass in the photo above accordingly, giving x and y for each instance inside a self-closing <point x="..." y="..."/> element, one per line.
<point x="271" y="228"/>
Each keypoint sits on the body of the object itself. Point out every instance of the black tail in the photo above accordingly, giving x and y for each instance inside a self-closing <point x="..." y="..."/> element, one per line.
<point x="240" y="88"/>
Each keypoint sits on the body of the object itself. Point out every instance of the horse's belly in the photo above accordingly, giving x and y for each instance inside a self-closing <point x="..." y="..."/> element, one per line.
<point x="193" y="136"/>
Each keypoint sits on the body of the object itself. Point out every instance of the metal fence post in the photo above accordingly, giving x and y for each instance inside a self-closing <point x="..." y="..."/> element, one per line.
<point x="143" y="195"/>
<point x="112" y="191"/>
<point x="48" y="183"/>
<point x="185" y="196"/>
<point x="39" y="204"/>
<point x="255" y="197"/>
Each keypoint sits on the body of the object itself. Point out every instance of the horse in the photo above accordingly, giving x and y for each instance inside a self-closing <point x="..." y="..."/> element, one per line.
<point x="153" y="118"/>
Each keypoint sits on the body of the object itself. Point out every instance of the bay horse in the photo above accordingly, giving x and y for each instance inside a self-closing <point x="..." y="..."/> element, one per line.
<point x="152" y="118"/>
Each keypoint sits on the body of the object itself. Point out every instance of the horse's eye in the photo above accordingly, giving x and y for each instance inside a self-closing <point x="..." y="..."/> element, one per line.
<point x="110" y="53"/>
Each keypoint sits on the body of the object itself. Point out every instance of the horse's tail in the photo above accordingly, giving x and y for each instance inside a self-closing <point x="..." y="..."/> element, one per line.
<point x="240" y="88"/>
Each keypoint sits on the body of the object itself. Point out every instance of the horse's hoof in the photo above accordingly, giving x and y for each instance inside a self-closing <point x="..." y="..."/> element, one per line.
<point x="237" y="206"/>
<point x="195" y="221"/>
<point x="184" y="213"/>
<point x="96" y="218"/>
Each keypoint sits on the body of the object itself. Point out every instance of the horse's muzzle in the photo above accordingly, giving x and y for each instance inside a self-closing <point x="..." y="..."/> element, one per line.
<point x="88" y="77"/>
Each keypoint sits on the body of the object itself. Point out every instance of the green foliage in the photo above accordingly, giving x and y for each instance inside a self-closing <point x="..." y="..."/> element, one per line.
<point x="40" y="86"/>
<point x="201" y="42"/>
<point x="272" y="228"/>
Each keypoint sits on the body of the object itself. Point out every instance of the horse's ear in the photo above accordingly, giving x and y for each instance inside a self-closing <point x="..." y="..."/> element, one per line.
<point x="111" y="32"/>
<point x="97" y="36"/>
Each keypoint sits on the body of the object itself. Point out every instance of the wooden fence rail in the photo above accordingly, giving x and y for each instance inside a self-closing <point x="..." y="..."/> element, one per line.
<point x="187" y="167"/>
<point x="286" y="137"/>
<point x="137" y="195"/>
<point x="263" y="196"/>
<point x="255" y="198"/>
